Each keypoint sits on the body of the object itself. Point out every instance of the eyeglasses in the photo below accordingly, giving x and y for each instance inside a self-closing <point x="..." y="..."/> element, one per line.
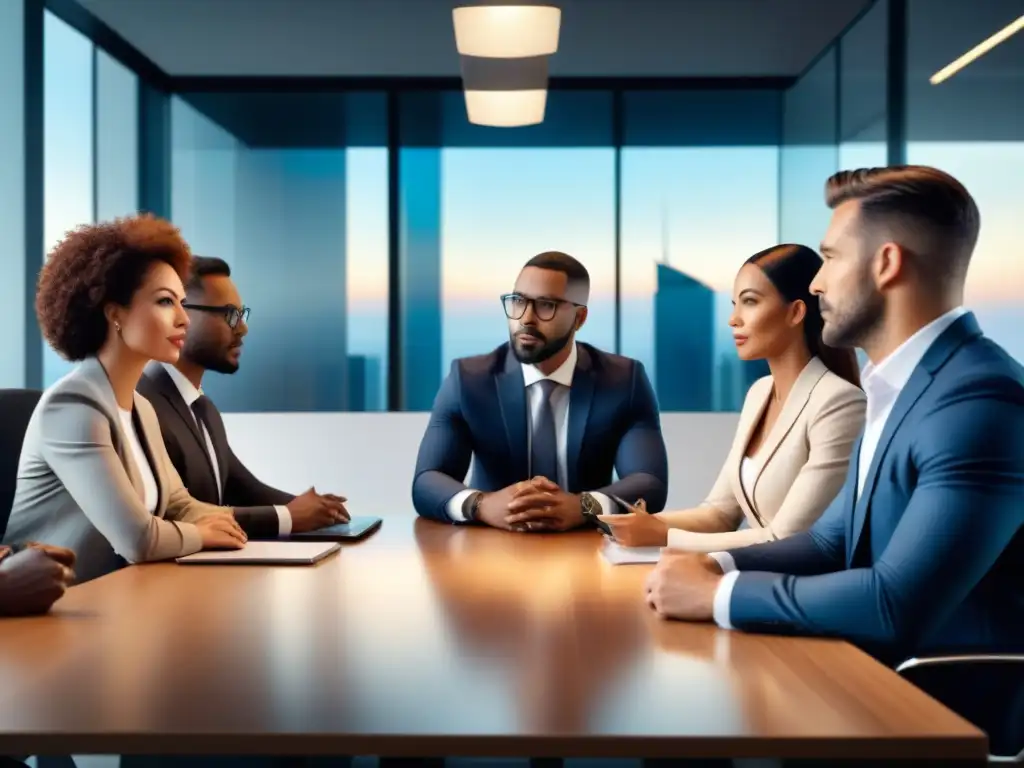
<point x="232" y="315"/>
<point x="515" y="305"/>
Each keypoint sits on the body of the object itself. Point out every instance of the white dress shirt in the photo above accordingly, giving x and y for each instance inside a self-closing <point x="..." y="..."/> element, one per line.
<point x="882" y="385"/>
<point x="190" y="394"/>
<point x="560" y="410"/>
<point x="150" y="493"/>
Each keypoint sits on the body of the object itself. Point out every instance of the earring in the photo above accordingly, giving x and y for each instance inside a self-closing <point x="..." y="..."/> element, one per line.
<point x="117" y="327"/>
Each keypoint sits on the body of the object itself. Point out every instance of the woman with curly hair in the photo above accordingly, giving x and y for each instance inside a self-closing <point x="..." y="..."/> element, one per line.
<point x="94" y="475"/>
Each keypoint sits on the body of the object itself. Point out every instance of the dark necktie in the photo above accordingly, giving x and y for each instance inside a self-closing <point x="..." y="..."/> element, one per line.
<point x="544" y="445"/>
<point x="201" y="408"/>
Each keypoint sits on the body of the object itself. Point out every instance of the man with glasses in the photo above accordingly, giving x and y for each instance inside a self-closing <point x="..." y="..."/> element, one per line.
<point x="193" y="429"/>
<point x="545" y="419"/>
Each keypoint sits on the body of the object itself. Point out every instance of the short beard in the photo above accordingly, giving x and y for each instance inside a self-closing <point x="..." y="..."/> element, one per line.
<point x="856" y="326"/>
<point x="209" y="358"/>
<point x="545" y="351"/>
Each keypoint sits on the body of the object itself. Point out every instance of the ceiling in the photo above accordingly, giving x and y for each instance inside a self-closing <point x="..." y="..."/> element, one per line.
<point x="402" y="38"/>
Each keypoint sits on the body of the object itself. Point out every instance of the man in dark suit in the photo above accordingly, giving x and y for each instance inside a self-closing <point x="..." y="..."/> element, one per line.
<point x="193" y="429"/>
<point x="922" y="552"/>
<point x="544" y="418"/>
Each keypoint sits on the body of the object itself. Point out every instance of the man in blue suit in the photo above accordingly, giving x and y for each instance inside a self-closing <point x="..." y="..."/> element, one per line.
<point x="544" y="418"/>
<point x="923" y="549"/>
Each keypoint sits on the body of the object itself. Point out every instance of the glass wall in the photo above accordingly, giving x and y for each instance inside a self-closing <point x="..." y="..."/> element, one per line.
<point x="477" y="203"/>
<point x="68" y="181"/>
<point x="863" y="71"/>
<point x="291" y="190"/>
<point x="12" y="192"/>
<point x="809" y="153"/>
<point x="700" y="179"/>
<point x="972" y="125"/>
<point x="117" y="139"/>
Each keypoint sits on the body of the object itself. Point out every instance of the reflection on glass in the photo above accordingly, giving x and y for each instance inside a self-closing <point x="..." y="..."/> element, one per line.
<point x="298" y="207"/>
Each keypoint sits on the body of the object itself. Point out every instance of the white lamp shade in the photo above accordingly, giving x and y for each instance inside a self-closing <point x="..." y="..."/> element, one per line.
<point x="506" y="109"/>
<point x="507" y="31"/>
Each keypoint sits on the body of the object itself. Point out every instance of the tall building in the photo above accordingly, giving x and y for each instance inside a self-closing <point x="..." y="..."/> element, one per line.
<point x="684" y="341"/>
<point x="695" y="362"/>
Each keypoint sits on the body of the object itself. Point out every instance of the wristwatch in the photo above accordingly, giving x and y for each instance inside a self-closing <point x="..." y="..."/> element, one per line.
<point x="590" y="507"/>
<point x="471" y="506"/>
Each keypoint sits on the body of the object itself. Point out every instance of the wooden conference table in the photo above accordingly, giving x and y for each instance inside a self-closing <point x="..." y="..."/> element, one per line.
<point x="433" y="640"/>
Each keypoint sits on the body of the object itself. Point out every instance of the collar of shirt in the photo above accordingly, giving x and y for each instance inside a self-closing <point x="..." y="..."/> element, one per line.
<point x="563" y="374"/>
<point x="885" y="380"/>
<point x="186" y="388"/>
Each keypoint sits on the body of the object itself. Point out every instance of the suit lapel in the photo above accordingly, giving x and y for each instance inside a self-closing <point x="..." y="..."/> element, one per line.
<point x="910" y="394"/>
<point x="962" y="330"/>
<point x="169" y="390"/>
<point x="795" y="403"/>
<point x="512" y="402"/>
<point x="745" y="430"/>
<point x="581" y="397"/>
<point x="145" y="432"/>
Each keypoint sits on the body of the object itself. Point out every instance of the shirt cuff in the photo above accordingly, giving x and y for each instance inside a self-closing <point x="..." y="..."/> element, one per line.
<point x="723" y="597"/>
<point x="455" y="504"/>
<point x="725" y="561"/>
<point x="608" y="507"/>
<point x="284" y="522"/>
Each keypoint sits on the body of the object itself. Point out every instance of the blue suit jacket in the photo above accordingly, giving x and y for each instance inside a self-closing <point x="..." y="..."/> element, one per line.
<point x="480" y="412"/>
<point x="930" y="558"/>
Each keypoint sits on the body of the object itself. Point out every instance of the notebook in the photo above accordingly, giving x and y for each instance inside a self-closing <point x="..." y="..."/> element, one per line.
<point x="266" y="553"/>
<point x="616" y="554"/>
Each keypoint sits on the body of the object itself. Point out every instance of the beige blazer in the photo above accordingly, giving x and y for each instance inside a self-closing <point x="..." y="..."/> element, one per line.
<point x="78" y="485"/>
<point x="797" y="471"/>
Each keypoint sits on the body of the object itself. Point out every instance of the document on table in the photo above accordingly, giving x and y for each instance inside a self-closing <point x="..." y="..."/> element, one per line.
<point x="265" y="553"/>
<point x="616" y="554"/>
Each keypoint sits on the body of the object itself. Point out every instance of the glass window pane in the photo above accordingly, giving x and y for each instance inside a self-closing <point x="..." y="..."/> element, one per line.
<point x="68" y="144"/>
<point x="12" y="192"/>
<point x="291" y="190"/>
<point x="690" y="217"/>
<point x="500" y="207"/>
<point x="972" y="126"/>
<point x="117" y="139"/>
<point x="809" y="153"/>
<point x="477" y="203"/>
<point x="366" y="262"/>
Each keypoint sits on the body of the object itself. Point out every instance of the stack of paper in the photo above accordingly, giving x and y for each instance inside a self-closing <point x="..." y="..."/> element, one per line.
<point x="616" y="554"/>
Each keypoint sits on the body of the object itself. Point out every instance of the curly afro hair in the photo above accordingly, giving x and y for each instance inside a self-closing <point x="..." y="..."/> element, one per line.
<point x="98" y="264"/>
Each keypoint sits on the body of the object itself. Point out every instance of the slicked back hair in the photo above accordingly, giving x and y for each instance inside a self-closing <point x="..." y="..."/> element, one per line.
<point x="924" y="210"/>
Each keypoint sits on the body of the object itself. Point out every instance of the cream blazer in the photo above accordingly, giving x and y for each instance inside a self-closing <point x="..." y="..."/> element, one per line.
<point x="798" y="470"/>
<point x="78" y="485"/>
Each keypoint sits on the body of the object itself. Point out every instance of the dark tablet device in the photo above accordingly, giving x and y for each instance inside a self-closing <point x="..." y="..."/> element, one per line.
<point x="355" y="529"/>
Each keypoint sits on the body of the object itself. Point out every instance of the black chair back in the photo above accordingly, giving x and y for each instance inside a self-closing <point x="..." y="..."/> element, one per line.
<point x="986" y="690"/>
<point x="16" y="407"/>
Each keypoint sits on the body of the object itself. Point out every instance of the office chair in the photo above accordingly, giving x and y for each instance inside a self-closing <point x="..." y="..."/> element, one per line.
<point x="985" y="689"/>
<point x="16" y="406"/>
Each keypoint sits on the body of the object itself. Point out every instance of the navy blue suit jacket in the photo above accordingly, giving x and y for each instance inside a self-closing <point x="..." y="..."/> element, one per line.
<point x="930" y="557"/>
<point x="480" y="412"/>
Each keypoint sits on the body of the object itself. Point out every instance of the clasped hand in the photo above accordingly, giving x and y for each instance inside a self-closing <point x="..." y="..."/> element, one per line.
<point x="535" y="506"/>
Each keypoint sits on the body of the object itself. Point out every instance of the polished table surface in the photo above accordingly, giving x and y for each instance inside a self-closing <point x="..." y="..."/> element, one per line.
<point x="428" y="639"/>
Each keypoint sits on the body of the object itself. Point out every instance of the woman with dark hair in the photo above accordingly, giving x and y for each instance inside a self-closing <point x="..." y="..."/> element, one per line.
<point x="798" y="425"/>
<point x="94" y="475"/>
